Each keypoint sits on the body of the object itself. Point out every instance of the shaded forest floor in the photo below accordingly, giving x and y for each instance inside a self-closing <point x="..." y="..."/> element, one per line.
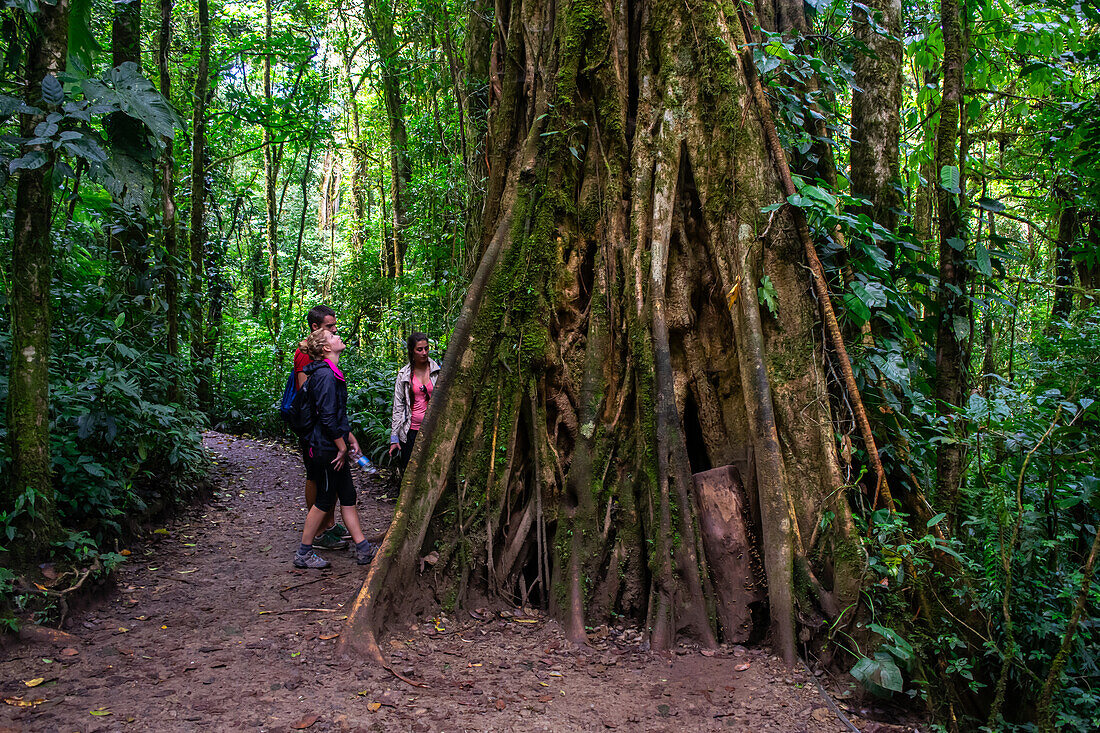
<point x="210" y="627"/>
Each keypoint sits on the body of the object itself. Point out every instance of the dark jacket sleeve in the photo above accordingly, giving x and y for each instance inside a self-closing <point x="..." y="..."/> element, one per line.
<point x="331" y="420"/>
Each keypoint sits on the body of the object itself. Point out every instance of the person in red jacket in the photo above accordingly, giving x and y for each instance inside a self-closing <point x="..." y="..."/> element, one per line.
<point x="334" y="536"/>
<point x="329" y="446"/>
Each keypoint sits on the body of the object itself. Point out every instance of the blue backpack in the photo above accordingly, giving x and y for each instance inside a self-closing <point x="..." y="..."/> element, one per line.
<point x="295" y="407"/>
<point x="288" y="396"/>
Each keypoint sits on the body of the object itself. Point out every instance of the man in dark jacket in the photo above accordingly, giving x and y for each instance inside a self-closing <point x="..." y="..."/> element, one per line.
<point x="327" y="448"/>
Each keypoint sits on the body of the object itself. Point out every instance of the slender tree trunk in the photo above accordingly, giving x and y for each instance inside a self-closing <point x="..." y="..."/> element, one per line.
<point x="198" y="209"/>
<point x="617" y="284"/>
<point x="479" y="49"/>
<point x="360" y="171"/>
<point x="302" y="220"/>
<point x="271" y="174"/>
<point x="876" y="112"/>
<point x="129" y="241"/>
<point x="952" y="332"/>
<point x="1089" y="273"/>
<point x="1053" y="682"/>
<point x="29" y="385"/>
<point x="380" y="19"/>
<point x="168" y="201"/>
<point x="924" y="206"/>
<point x="1063" y="256"/>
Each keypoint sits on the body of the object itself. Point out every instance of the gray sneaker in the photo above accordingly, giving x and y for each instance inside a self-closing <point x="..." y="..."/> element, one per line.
<point x="312" y="560"/>
<point x="363" y="557"/>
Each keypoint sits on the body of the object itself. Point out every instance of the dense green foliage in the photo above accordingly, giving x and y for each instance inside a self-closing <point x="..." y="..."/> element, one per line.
<point x="996" y="578"/>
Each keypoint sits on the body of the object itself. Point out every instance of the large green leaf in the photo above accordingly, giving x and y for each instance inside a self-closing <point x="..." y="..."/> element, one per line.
<point x="134" y="95"/>
<point x="949" y="179"/>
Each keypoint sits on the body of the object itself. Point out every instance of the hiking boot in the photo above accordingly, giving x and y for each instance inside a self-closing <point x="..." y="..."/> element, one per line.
<point x="340" y="531"/>
<point x="330" y="539"/>
<point x="312" y="560"/>
<point x="364" y="556"/>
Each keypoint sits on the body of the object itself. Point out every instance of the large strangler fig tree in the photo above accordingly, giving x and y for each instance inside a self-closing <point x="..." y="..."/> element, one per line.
<point x="612" y="344"/>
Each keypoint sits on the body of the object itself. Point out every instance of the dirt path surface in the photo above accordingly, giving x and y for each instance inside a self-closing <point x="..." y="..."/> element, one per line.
<point x="210" y="628"/>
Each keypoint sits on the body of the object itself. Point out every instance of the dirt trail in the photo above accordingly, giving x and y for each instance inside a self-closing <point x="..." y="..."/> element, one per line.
<point x="203" y="631"/>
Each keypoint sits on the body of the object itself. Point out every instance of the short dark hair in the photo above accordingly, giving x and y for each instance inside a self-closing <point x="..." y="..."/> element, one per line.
<point x="317" y="315"/>
<point x="414" y="338"/>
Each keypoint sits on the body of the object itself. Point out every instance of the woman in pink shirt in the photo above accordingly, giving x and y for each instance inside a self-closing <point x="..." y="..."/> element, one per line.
<point x="412" y="393"/>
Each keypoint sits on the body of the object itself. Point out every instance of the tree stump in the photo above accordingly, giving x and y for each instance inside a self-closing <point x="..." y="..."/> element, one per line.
<point x="727" y="541"/>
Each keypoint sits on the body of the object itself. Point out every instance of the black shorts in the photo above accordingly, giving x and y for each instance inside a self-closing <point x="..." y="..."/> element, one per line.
<point x="331" y="484"/>
<point x="314" y="471"/>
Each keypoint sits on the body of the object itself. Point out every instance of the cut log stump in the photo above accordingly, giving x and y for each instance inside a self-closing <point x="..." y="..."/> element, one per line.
<point x="722" y="512"/>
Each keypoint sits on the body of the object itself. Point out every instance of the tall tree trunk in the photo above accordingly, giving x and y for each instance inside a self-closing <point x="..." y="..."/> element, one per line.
<point x="305" y="208"/>
<point x="360" y="171"/>
<point x="924" y="204"/>
<point x="1089" y="272"/>
<point x="271" y="175"/>
<point x="952" y="332"/>
<point x="1063" y="256"/>
<point x="29" y="385"/>
<point x="876" y="111"/>
<point x="202" y="368"/>
<point x="613" y="313"/>
<point x="129" y="241"/>
<point x="380" y="19"/>
<point x="168" y="202"/>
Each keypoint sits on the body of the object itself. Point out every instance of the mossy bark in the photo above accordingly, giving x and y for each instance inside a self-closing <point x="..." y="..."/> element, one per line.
<point x="953" y="325"/>
<point x="876" y="115"/>
<point x="612" y="344"/>
<point x="29" y="385"/>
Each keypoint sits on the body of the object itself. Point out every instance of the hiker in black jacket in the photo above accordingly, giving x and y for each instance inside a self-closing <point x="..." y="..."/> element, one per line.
<point x="328" y="447"/>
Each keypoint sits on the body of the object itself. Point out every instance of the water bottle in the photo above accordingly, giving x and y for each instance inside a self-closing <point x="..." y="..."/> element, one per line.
<point x="369" y="468"/>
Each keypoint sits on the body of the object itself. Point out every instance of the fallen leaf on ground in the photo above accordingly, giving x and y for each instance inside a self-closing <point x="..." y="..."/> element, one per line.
<point x="35" y="682"/>
<point x="21" y="703"/>
<point x="122" y="629"/>
<point x="741" y="667"/>
<point x="306" y="721"/>
<point x="124" y="553"/>
<point x="500" y="704"/>
<point x="100" y="711"/>
<point x="69" y="651"/>
<point x="707" y="652"/>
<point x="160" y="531"/>
<point x="326" y="637"/>
<point x="545" y="698"/>
<point x="185" y="572"/>
<point x="373" y="706"/>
